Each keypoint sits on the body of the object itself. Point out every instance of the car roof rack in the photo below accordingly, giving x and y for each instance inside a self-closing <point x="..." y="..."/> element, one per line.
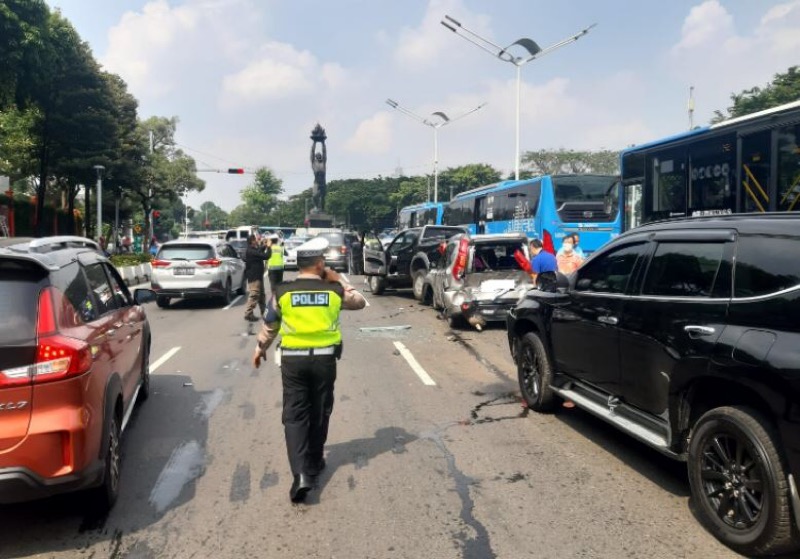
<point x="50" y="244"/>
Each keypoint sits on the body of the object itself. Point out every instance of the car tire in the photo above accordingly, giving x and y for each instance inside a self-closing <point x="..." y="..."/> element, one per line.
<point x="104" y="496"/>
<point x="227" y="295"/>
<point x="535" y="373"/>
<point x="418" y="283"/>
<point x="377" y="285"/>
<point x="733" y="451"/>
<point x="144" y="387"/>
<point x="162" y="302"/>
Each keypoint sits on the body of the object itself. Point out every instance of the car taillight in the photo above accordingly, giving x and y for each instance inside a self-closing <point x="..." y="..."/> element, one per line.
<point x="57" y="356"/>
<point x="160" y="263"/>
<point x="547" y="242"/>
<point x="209" y="263"/>
<point x="461" y="259"/>
<point x="344" y="249"/>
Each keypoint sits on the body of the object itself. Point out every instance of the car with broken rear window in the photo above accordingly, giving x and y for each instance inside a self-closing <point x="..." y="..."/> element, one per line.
<point x="477" y="279"/>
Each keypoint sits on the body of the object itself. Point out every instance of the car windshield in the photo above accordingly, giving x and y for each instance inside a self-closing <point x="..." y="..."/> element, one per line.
<point x="185" y="252"/>
<point x="440" y="232"/>
<point x="294" y="243"/>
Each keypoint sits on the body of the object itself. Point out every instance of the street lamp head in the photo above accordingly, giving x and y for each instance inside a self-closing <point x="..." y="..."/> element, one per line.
<point x="99" y="167"/>
<point x="392" y="103"/>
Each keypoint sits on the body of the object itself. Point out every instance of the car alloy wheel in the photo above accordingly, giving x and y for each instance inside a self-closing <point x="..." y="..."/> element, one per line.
<point x="534" y="373"/>
<point x="419" y="284"/>
<point x="739" y="482"/>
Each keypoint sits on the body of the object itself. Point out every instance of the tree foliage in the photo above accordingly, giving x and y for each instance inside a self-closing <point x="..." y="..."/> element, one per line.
<point x="553" y="162"/>
<point x="784" y="88"/>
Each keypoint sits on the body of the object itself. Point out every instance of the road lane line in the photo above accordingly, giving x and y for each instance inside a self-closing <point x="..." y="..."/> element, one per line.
<point x="233" y="302"/>
<point x="164" y="358"/>
<point x="411" y="360"/>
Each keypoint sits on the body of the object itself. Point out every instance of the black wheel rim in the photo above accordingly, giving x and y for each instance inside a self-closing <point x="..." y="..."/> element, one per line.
<point x="733" y="480"/>
<point x="531" y="373"/>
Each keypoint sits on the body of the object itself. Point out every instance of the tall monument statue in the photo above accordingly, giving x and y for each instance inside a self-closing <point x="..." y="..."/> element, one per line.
<point x="319" y="159"/>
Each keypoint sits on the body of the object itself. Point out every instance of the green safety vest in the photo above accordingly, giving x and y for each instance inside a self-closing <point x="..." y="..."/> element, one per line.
<point x="309" y="313"/>
<point x="275" y="261"/>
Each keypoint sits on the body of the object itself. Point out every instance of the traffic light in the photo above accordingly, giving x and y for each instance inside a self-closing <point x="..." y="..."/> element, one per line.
<point x="236" y="171"/>
<point x="156" y="214"/>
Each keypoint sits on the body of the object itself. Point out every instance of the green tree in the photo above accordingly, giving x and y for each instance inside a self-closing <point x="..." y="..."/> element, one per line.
<point x="23" y="25"/>
<point x="553" y="162"/>
<point x="784" y="88"/>
<point x="209" y="217"/>
<point x="18" y="142"/>
<point x="466" y="177"/>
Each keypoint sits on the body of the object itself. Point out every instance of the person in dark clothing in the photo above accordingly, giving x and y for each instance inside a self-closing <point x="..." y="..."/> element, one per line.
<point x="254" y="258"/>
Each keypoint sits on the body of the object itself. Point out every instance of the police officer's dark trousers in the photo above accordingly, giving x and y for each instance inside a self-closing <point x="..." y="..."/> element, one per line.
<point x="307" y="407"/>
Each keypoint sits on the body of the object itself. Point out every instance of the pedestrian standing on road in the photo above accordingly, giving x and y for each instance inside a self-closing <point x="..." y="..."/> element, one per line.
<point x="543" y="266"/>
<point x="254" y="258"/>
<point x="568" y="260"/>
<point x="275" y="262"/>
<point x="305" y="312"/>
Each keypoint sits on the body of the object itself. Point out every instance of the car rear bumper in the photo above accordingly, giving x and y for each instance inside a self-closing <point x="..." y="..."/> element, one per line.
<point x="20" y="484"/>
<point x="212" y="290"/>
<point x="497" y="312"/>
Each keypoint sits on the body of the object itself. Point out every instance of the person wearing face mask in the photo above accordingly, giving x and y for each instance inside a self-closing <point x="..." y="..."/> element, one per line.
<point x="305" y="312"/>
<point x="567" y="259"/>
<point x="575" y="245"/>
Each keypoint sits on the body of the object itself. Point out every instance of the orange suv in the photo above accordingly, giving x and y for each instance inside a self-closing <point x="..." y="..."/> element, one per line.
<point x="74" y="358"/>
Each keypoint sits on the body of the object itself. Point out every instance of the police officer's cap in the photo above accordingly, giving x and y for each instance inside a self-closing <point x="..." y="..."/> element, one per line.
<point x="313" y="248"/>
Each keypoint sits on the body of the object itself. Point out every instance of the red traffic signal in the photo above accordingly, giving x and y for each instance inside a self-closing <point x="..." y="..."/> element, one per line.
<point x="156" y="214"/>
<point x="236" y="171"/>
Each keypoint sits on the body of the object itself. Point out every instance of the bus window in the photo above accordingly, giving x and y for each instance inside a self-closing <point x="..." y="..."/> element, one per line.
<point x="711" y="177"/>
<point x="789" y="168"/>
<point x="668" y="197"/>
<point x="755" y="175"/>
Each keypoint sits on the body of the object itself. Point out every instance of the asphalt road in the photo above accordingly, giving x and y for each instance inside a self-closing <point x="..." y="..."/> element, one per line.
<point x="455" y="469"/>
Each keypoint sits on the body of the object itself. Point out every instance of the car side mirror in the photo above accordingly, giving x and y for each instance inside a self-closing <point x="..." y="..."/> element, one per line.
<point x="143" y="295"/>
<point x="583" y="284"/>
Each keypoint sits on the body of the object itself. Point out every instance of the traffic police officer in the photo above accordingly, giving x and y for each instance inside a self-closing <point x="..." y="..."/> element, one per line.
<point x="275" y="262"/>
<point x="305" y="312"/>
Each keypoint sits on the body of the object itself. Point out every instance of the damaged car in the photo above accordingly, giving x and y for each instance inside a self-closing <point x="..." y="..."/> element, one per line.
<point x="477" y="279"/>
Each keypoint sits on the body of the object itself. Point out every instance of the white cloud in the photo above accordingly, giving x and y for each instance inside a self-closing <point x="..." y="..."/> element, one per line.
<point x="719" y="60"/>
<point x="421" y="47"/>
<point x="372" y="136"/>
<point x="280" y="71"/>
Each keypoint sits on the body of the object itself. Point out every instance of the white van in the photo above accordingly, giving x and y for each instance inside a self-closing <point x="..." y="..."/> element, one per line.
<point x="241" y="233"/>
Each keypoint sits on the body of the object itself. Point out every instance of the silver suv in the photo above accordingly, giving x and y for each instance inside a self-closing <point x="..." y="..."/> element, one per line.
<point x="192" y="268"/>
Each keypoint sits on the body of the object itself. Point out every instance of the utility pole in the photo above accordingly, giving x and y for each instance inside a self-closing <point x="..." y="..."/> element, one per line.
<point x="151" y="229"/>
<point x="691" y="107"/>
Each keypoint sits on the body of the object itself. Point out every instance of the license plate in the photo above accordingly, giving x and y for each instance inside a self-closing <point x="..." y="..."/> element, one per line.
<point x="183" y="271"/>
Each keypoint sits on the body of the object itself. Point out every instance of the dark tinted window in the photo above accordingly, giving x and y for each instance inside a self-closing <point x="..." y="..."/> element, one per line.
<point x="77" y="292"/>
<point x="610" y="272"/>
<point x="442" y="233"/>
<point x="683" y="269"/>
<point x="582" y="188"/>
<point x="20" y="284"/>
<point x="460" y="212"/>
<point x="186" y="252"/>
<point x="520" y="202"/>
<point x="766" y="264"/>
<point x="103" y="294"/>
<point x="121" y="293"/>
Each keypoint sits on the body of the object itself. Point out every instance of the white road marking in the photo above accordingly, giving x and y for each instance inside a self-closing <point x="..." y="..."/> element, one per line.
<point x="411" y="360"/>
<point x="164" y="358"/>
<point x="344" y="277"/>
<point x="233" y="302"/>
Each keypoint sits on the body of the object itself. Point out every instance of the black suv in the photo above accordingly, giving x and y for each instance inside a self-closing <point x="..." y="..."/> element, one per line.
<point x="686" y="335"/>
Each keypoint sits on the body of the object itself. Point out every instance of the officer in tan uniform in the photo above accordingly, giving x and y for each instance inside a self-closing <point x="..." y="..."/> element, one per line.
<point x="305" y="312"/>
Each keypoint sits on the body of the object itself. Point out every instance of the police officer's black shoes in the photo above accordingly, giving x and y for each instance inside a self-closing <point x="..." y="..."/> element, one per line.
<point x="301" y="485"/>
<point x="251" y="317"/>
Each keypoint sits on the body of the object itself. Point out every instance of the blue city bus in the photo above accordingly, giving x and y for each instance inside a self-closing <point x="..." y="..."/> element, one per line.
<point x="548" y="208"/>
<point x="428" y="213"/>
<point x="745" y="164"/>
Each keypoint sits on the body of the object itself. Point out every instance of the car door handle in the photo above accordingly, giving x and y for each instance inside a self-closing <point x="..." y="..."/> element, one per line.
<point x="695" y="330"/>
<point x="612" y="320"/>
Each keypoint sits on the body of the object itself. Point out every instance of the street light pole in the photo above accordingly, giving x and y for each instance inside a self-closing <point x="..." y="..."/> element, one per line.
<point x="534" y="52"/>
<point x="443" y="120"/>
<point x="99" y="231"/>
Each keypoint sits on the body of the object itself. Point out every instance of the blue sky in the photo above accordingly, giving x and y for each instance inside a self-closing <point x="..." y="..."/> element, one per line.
<point x="250" y="78"/>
